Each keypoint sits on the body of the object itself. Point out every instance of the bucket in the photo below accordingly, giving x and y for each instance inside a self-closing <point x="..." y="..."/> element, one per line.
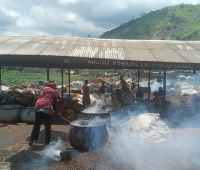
<point x="5" y="166"/>
<point x="70" y="114"/>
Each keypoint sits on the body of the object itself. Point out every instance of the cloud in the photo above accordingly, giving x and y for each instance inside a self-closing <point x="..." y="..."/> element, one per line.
<point x="6" y="19"/>
<point x="73" y="17"/>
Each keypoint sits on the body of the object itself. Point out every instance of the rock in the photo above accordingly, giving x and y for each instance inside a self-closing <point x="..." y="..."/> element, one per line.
<point x="65" y="155"/>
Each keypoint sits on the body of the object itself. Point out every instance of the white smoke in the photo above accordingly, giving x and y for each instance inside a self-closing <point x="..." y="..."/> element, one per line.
<point x="97" y="105"/>
<point x="126" y="113"/>
<point x="53" y="150"/>
<point x="181" y="152"/>
<point x="50" y="155"/>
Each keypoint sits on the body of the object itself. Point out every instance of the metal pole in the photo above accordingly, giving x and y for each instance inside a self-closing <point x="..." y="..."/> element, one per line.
<point x="47" y="73"/>
<point x="69" y="82"/>
<point x="138" y="78"/>
<point x="0" y="79"/>
<point x="149" y="88"/>
<point x="164" y="80"/>
<point x="62" y="82"/>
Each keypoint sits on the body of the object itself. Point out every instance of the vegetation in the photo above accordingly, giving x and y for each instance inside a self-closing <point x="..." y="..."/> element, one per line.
<point x="181" y="22"/>
<point x="14" y="77"/>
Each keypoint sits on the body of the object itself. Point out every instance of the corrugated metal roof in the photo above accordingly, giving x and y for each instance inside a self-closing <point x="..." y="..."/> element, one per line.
<point x="159" y="51"/>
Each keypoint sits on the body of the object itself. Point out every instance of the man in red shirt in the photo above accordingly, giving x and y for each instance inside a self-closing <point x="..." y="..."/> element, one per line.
<point x="44" y="107"/>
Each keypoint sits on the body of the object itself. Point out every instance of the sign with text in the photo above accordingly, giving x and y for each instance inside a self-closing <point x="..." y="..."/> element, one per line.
<point x="103" y="63"/>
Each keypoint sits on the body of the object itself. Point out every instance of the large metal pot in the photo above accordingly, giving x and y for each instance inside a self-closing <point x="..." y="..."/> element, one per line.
<point x="27" y="115"/>
<point x="10" y="113"/>
<point x="97" y="114"/>
<point x="85" y="135"/>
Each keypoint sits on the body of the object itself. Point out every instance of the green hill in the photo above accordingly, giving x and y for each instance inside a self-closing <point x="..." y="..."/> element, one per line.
<point x="181" y="22"/>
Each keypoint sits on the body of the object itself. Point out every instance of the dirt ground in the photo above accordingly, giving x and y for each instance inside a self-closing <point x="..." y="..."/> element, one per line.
<point x="182" y="152"/>
<point x="15" y="137"/>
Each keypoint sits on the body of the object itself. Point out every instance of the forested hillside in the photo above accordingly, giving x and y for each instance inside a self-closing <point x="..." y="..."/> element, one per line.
<point x="181" y="22"/>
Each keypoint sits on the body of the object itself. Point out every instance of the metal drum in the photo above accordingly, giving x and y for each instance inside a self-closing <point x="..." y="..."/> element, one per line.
<point x="86" y="135"/>
<point x="10" y="113"/>
<point x="27" y="115"/>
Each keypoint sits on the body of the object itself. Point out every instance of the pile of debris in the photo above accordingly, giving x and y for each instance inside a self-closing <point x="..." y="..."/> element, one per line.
<point x="20" y="95"/>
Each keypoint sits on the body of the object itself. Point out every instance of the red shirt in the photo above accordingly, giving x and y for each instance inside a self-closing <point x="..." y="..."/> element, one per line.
<point x="46" y="100"/>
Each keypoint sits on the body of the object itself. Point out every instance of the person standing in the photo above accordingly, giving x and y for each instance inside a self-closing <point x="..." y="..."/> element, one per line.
<point x="123" y="83"/>
<point x="159" y="100"/>
<point x="86" y="93"/>
<point x="44" y="107"/>
<point x="117" y="99"/>
<point x="159" y="79"/>
<point x="139" y="93"/>
<point x="102" y="92"/>
<point x="124" y="87"/>
<point x="128" y="98"/>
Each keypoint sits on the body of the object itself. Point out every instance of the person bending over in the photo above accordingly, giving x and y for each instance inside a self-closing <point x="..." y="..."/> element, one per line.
<point x="44" y="107"/>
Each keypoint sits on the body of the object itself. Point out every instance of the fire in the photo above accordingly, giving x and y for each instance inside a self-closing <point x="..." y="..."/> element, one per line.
<point x="108" y="142"/>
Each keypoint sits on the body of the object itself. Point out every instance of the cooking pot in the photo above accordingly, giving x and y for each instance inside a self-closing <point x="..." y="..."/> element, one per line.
<point x="10" y="113"/>
<point x="97" y="114"/>
<point x="86" y="135"/>
<point x="27" y="115"/>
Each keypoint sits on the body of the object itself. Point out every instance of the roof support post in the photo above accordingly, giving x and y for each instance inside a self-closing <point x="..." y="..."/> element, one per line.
<point x="69" y="82"/>
<point x="149" y="88"/>
<point x="138" y="78"/>
<point x="47" y="73"/>
<point x="164" y="80"/>
<point x="62" y="81"/>
<point x="0" y="79"/>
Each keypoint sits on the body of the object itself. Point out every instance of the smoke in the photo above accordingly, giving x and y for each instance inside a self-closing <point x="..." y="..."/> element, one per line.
<point x="96" y="106"/>
<point x="126" y="113"/>
<point x="181" y="151"/>
<point x="154" y="85"/>
<point x="53" y="151"/>
<point x="50" y="155"/>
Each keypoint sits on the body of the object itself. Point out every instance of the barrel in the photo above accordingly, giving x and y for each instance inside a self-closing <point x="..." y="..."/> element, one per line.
<point x="10" y="113"/>
<point x="27" y="115"/>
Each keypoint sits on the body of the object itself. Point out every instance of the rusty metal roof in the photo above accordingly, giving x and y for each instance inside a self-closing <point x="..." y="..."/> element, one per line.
<point x="47" y="51"/>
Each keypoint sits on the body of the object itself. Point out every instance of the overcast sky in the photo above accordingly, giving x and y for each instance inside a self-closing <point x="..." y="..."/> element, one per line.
<point x="73" y="18"/>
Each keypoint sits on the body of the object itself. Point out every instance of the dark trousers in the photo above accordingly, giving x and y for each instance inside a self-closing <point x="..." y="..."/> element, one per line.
<point x="41" y="117"/>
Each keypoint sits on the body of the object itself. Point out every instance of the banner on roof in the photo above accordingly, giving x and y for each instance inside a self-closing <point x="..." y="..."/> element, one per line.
<point x="103" y="63"/>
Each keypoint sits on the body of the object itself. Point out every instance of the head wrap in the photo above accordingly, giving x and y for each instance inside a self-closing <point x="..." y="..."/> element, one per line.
<point x="50" y="83"/>
<point x="86" y="81"/>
